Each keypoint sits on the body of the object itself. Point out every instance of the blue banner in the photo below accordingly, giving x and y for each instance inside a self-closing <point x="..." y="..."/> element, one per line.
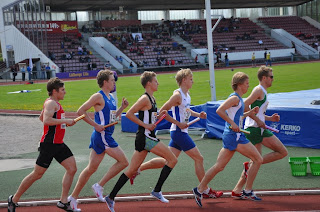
<point x="78" y="74"/>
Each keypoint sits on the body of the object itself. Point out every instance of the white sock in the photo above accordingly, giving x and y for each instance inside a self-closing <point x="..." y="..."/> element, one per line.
<point x="247" y="191"/>
<point x="206" y="191"/>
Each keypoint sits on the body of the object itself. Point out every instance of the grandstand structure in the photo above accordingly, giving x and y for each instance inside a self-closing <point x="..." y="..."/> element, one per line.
<point x="30" y="34"/>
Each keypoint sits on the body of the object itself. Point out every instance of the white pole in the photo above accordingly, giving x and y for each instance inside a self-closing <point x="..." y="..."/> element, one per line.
<point x="210" y="51"/>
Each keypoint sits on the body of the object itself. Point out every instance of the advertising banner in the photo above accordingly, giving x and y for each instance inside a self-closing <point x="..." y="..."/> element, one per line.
<point x="50" y="26"/>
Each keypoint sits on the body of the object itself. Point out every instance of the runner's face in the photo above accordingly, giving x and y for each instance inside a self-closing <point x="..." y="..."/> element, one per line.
<point x="61" y="93"/>
<point x="245" y="86"/>
<point x="154" y="84"/>
<point x="110" y="83"/>
<point x="189" y="81"/>
<point x="270" y="79"/>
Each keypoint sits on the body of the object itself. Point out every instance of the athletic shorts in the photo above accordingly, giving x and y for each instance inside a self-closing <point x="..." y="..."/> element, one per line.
<point x="231" y="140"/>
<point x="101" y="141"/>
<point x="181" y="141"/>
<point x="257" y="134"/>
<point x="48" y="151"/>
<point x="144" y="142"/>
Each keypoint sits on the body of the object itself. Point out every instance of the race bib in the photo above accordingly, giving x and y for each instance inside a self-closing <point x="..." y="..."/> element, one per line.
<point x="187" y="114"/>
<point x="112" y="116"/>
<point x="154" y="117"/>
<point x="63" y="116"/>
<point x="241" y="122"/>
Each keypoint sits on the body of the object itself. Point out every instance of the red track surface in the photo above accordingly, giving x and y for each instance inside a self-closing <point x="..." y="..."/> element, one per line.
<point x="269" y="203"/>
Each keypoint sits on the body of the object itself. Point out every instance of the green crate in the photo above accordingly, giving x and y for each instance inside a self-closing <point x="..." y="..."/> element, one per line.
<point x="315" y="165"/>
<point x="298" y="165"/>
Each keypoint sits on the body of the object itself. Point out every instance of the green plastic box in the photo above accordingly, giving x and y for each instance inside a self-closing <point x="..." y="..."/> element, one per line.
<point x="298" y="165"/>
<point x="315" y="165"/>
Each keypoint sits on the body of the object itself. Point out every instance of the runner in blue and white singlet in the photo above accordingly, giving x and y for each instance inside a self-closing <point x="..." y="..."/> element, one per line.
<point x="102" y="140"/>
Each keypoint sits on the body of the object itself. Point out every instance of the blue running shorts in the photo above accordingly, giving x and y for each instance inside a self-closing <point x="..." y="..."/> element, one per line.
<point x="101" y="141"/>
<point x="181" y="141"/>
<point x="231" y="140"/>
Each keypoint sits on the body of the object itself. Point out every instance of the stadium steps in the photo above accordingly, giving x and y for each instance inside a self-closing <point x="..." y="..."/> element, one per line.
<point x="85" y="43"/>
<point x="263" y="26"/>
<point x="188" y="46"/>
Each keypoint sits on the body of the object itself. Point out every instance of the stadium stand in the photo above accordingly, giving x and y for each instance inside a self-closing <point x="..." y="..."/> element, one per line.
<point x="295" y="26"/>
<point x="77" y="62"/>
<point x="233" y="35"/>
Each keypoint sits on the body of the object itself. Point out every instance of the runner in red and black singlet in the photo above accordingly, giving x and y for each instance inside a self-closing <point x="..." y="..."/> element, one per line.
<point x="51" y="147"/>
<point x="55" y="133"/>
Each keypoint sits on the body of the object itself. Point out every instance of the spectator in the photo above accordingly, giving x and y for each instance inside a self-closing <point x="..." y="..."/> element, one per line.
<point x="265" y="56"/>
<point x="206" y="59"/>
<point x="226" y="59"/>
<point x="260" y="42"/>
<point x="62" y="69"/>
<point x="140" y="63"/>
<point x="43" y="71"/>
<point x="34" y="72"/>
<point x="48" y="71"/>
<point x="23" y="72"/>
<point x="196" y="60"/>
<point x="89" y="66"/>
<point x="29" y="70"/>
<point x="80" y="50"/>
<point x="107" y="65"/>
<point x="167" y="63"/>
<point x="173" y="62"/>
<point x="253" y="60"/>
<point x="68" y="56"/>
<point x="130" y="67"/>
<point x="120" y="59"/>
<point x="62" y="44"/>
<point x="79" y="36"/>
<point x="14" y="73"/>
<point x="268" y="59"/>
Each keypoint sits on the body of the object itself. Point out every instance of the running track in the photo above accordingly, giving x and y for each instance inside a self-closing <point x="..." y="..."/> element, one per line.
<point x="310" y="203"/>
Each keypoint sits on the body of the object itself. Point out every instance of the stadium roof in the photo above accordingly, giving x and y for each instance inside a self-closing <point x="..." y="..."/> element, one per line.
<point x="96" y="5"/>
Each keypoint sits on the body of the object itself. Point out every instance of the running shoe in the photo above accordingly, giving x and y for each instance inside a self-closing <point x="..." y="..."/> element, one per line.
<point x="246" y="168"/>
<point x="159" y="196"/>
<point x="74" y="204"/>
<point x="251" y="196"/>
<point x="237" y="196"/>
<point x="197" y="196"/>
<point x="64" y="206"/>
<point x="133" y="177"/>
<point x="98" y="191"/>
<point x="11" y="205"/>
<point x="110" y="203"/>
<point x="212" y="194"/>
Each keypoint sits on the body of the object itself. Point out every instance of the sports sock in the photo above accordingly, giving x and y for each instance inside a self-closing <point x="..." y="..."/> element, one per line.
<point x="120" y="183"/>
<point x="247" y="191"/>
<point x="163" y="176"/>
<point x="206" y="191"/>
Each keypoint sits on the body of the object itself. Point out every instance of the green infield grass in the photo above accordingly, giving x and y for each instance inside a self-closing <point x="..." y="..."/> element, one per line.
<point x="293" y="77"/>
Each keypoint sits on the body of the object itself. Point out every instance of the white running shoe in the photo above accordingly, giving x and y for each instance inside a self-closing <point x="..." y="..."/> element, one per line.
<point x="159" y="196"/>
<point x="98" y="191"/>
<point x="74" y="204"/>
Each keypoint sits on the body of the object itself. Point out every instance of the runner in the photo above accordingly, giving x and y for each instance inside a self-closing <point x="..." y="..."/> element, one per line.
<point x="101" y="139"/>
<point x="51" y="146"/>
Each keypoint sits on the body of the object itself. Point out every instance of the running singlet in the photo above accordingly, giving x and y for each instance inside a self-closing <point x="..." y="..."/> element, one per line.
<point x="235" y="113"/>
<point x="262" y="104"/>
<point x="148" y="117"/>
<point x="181" y="112"/>
<point x="108" y="114"/>
<point x="54" y="134"/>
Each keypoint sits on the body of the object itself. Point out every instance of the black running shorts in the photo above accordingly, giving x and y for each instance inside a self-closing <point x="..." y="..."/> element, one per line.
<point x="60" y="152"/>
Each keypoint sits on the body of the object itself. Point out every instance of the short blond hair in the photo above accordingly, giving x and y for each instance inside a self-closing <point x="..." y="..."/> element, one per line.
<point x="238" y="78"/>
<point x="146" y="77"/>
<point x="183" y="73"/>
<point x="103" y="75"/>
<point x="263" y="72"/>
